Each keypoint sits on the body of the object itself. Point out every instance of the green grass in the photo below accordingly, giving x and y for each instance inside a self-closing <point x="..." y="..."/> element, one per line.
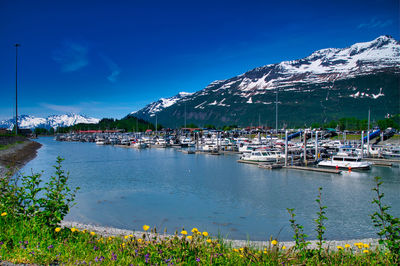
<point x="5" y="147"/>
<point x="29" y="234"/>
<point x="23" y="241"/>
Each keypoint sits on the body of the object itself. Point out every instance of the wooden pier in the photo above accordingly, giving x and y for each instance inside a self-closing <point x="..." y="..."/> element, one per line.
<point x="321" y="170"/>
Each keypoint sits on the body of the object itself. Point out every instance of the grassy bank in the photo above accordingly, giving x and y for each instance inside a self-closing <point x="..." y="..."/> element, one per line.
<point x="7" y="146"/>
<point x="26" y="242"/>
<point x="30" y="232"/>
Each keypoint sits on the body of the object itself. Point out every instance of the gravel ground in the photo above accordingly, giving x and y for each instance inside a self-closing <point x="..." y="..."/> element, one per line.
<point x="18" y="155"/>
<point x="110" y="231"/>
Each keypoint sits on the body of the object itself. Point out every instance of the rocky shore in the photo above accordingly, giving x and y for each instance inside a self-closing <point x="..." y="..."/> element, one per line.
<point x="110" y="231"/>
<point x="19" y="152"/>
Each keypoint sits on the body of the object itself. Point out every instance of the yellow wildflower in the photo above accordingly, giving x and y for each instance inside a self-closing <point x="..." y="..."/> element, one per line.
<point x="92" y="233"/>
<point x="366" y="246"/>
<point x="236" y="250"/>
<point x="284" y="247"/>
<point x="339" y="247"/>
<point x="3" y="214"/>
<point x="73" y="229"/>
<point x="241" y="255"/>
<point x="190" y="237"/>
<point x="139" y="240"/>
<point x="209" y="241"/>
<point x="184" y="232"/>
<point x="347" y="246"/>
<point x="126" y="237"/>
<point x="274" y="242"/>
<point x="130" y="235"/>
<point x="265" y="252"/>
<point x="365" y="251"/>
<point x="58" y="229"/>
<point x="146" y="227"/>
<point x="195" y="230"/>
<point x="359" y="245"/>
<point x="205" y="234"/>
<point x="241" y="249"/>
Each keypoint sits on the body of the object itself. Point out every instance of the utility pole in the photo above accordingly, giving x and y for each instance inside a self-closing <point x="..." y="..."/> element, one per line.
<point x="16" y="88"/>
<point x="185" y="115"/>
<point x="156" y="125"/>
<point x="276" y="111"/>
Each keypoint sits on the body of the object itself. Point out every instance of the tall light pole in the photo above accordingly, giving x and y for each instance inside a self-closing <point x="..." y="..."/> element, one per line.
<point x="276" y="112"/>
<point x="16" y="88"/>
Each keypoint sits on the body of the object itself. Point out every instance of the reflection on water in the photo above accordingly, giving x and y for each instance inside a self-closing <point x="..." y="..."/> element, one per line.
<point x="127" y="188"/>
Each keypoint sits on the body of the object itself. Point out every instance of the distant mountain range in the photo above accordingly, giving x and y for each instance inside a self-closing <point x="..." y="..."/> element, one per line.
<point x="329" y="84"/>
<point x="52" y="121"/>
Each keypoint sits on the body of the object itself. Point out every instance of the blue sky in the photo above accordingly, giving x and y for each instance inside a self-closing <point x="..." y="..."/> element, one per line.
<point x="109" y="58"/>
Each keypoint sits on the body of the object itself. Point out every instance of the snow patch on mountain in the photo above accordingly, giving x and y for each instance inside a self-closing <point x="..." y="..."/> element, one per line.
<point x="52" y="121"/>
<point x="163" y="103"/>
<point x="321" y="68"/>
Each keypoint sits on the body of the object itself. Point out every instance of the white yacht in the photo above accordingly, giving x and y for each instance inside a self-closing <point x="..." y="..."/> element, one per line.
<point x="345" y="161"/>
<point x="391" y="153"/>
<point x="258" y="156"/>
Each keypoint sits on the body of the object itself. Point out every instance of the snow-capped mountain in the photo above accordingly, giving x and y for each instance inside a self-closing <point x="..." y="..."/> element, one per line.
<point x="52" y="121"/>
<point x="328" y="84"/>
<point x="163" y="103"/>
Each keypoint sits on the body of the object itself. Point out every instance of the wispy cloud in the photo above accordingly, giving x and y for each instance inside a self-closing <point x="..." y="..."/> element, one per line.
<point x="62" y="108"/>
<point x="72" y="56"/>
<point x="92" y="108"/>
<point x="375" y="23"/>
<point x="114" y="68"/>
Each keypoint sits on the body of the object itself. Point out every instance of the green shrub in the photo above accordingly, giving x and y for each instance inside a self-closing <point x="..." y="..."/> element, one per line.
<point x="389" y="226"/>
<point x="24" y="196"/>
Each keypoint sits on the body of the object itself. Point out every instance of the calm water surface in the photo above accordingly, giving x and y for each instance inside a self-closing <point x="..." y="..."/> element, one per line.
<point x="127" y="188"/>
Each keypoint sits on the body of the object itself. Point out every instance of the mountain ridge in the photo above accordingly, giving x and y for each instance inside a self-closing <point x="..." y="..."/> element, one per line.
<point x="332" y="72"/>
<point x="51" y="121"/>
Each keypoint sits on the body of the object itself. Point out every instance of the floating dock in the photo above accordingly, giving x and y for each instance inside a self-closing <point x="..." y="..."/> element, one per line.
<point x="248" y="162"/>
<point x="270" y="166"/>
<point x="382" y="160"/>
<point x="382" y="164"/>
<point x="321" y="170"/>
<point x="188" y="151"/>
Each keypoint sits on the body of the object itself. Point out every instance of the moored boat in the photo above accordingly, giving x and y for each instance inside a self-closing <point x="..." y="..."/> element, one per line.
<point x="347" y="162"/>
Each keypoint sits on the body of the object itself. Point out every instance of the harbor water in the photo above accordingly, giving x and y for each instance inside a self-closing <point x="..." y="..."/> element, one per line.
<point x="127" y="188"/>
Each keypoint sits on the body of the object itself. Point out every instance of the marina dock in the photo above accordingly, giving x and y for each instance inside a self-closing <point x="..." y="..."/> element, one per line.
<point x="321" y="170"/>
<point x="377" y="160"/>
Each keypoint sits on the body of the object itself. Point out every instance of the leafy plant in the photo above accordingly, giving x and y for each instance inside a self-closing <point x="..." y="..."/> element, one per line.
<point x="59" y="197"/>
<point x="320" y="221"/>
<point x="299" y="236"/>
<point x="389" y="226"/>
<point x="23" y="196"/>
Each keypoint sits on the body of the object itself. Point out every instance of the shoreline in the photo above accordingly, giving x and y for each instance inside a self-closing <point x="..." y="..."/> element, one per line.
<point x="112" y="231"/>
<point x="17" y="156"/>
